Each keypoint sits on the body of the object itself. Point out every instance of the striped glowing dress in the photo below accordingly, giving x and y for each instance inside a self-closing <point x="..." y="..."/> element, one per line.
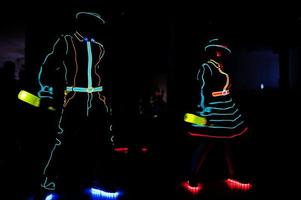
<point x="220" y="115"/>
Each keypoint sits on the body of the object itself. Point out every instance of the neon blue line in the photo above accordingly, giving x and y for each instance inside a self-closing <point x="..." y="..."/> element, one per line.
<point x="215" y="39"/>
<point x="206" y="64"/>
<point x="218" y="114"/>
<point x="59" y="125"/>
<point x="224" y="127"/>
<point x="203" y="65"/>
<point x="216" y="45"/>
<point x="101" y="193"/>
<point x="43" y="88"/>
<point x="53" y="48"/>
<point x="225" y="120"/>
<point x="102" y="48"/>
<point x="58" y="143"/>
<point x="89" y="64"/>
<point x="89" y="102"/>
<point x="83" y="89"/>
<point x="91" y="13"/>
<point x="48" y="186"/>
<point x="227" y="108"/>
<point x="88" y="98"/>
<point x="66" y="71"/>
<point x="39" y="77"/>
<point x="220" y="102"/>
<point x="202" y="92"/>
<point x="65" y="37"/>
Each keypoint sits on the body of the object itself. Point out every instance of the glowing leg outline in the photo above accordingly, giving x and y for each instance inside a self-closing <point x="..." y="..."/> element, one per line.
<point x="46" y="184"/>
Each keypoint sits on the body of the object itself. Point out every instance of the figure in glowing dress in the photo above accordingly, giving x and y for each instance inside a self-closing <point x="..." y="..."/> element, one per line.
<point x="217" y="118"/>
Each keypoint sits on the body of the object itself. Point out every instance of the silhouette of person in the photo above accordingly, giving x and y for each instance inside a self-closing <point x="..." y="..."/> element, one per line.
<point x="73" y="69"/>
<point x="217" y="119"/>
<point x="8" y="142"/>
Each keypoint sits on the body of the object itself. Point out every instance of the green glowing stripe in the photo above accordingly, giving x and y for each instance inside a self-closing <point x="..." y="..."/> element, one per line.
<point x="29" y="98"/>
<point x="89" y="64"/>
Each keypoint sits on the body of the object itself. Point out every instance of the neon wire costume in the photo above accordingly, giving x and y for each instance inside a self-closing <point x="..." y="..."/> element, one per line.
<point x="74" y="67"/>
<point x="217" y="116"/>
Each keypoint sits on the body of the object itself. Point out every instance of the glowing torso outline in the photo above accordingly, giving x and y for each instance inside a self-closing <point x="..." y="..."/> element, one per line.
<point x="46" y="91"/>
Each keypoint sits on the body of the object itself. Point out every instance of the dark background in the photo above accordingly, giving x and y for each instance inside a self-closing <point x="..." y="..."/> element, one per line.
<point x="146" y="41"/>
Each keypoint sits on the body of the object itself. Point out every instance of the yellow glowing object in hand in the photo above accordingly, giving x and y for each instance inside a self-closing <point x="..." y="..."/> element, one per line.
<point x="29" y="98"/>
<point x="194" y="119"/>
<point x="51" y="108"/>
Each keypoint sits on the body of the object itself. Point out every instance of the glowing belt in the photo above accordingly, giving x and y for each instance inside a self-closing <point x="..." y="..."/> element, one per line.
<point x="220" y="93"/>
<point x="194" y="119"/>
<point x="83" y="89"/>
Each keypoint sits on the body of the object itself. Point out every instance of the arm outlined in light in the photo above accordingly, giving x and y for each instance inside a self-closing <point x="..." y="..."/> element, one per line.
<point x="45" y="88"/>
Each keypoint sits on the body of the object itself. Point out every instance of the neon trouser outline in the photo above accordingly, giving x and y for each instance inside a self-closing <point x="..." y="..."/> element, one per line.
<point x="51" y="185"/>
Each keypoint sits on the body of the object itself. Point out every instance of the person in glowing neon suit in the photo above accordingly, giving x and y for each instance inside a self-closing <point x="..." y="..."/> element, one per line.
<point x="74" y="68"/>
<point x="217" y="118"/>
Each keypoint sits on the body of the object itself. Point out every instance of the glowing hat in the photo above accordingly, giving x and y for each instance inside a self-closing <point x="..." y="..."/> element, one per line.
<point x="216" y="43"/>
<point x="92" y="14"/>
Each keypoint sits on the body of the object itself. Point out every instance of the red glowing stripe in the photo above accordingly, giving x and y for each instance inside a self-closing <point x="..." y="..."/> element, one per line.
<point x="121" y="149"/>
<point x="236" y="185"/>
<point x="192" y="189"/>
<point x="212" y="136"/>
<point x="220" y="93"/>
